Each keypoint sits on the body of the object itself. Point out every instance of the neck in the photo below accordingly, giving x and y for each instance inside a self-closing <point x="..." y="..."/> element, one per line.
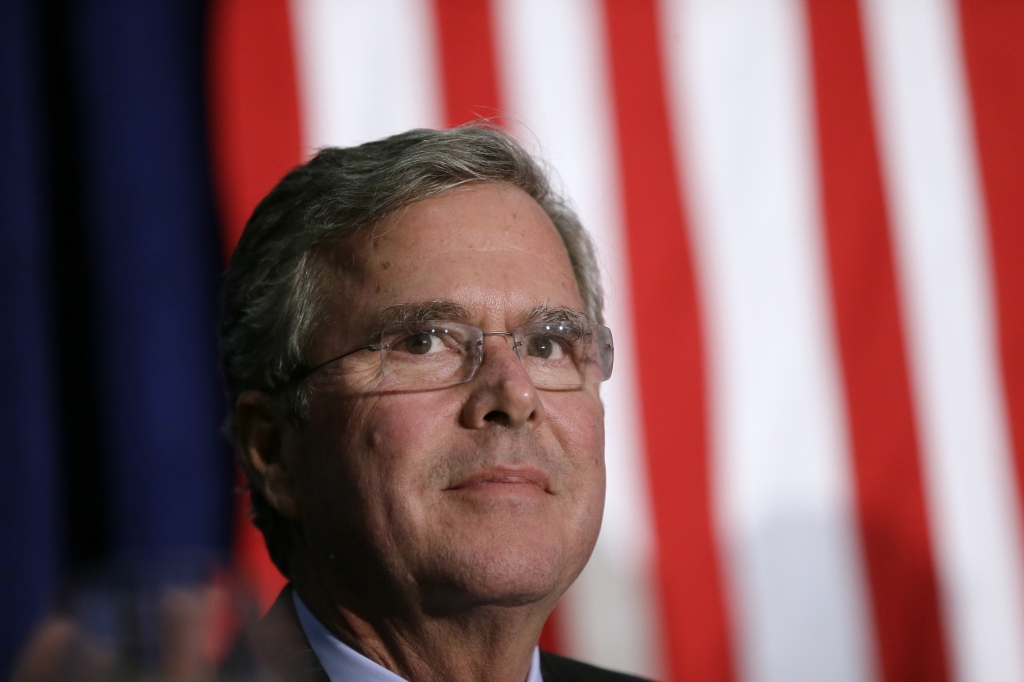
<point x="478" y="642"/>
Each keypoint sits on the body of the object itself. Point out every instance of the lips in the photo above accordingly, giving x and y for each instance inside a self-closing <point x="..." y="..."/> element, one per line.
<point x="503" y="476"/>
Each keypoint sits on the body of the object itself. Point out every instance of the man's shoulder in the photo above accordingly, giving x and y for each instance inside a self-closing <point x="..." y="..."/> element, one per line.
<point x="560" y="669"/>
<point x="275" y="647"/>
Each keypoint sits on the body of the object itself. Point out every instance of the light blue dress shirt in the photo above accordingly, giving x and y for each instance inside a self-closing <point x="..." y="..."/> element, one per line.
<point x="342" y="663"/>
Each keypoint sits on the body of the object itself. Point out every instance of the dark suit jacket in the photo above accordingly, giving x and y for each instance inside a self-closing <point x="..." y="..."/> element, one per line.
<point x="279" y="645"/>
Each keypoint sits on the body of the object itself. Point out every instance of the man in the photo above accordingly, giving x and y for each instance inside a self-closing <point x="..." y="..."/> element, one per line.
<point x="412" y="344"/>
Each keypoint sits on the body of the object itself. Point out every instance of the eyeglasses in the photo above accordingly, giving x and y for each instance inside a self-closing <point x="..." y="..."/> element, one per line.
<point x="434" y="354"/>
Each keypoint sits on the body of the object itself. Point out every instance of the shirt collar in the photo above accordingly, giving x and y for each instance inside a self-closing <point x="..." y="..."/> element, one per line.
<point x="342" y="663"/>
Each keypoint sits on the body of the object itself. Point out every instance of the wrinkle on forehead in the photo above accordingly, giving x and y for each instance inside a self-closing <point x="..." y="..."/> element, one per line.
<point x="488" y="252"/>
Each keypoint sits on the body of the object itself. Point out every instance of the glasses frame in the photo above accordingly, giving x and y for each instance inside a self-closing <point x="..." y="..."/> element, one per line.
<point x="597" y="330"/>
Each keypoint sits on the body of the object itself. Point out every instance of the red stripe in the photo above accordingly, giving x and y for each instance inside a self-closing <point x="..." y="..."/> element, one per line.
<point x="469" y="75"/>
<point x="551" y="638"/>
<point x="255" y="139"/>
<point x="672" y="385"/>
<point x="255" y="133"/>
<point x="889" y="488"/>
<point x="993" y="40"/>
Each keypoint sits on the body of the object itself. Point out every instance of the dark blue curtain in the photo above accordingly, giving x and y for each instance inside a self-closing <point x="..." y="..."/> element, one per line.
<point x="29" y="487"/>
<point x="110" y="399"/>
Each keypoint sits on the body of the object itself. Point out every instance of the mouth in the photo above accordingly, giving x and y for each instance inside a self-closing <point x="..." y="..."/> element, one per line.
<point x="501" y="480"/>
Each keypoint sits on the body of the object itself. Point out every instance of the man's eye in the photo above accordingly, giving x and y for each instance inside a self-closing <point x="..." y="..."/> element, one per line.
<point x="545" y="347"/>
<point x="421" y="343"/>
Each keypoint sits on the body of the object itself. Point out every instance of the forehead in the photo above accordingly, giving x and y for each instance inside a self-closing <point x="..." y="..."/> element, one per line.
<point x="490" y="247"/>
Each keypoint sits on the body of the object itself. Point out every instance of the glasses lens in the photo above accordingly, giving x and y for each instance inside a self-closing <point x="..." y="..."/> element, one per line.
<point x="566" y="354"/>
<point x="430" y="353"/>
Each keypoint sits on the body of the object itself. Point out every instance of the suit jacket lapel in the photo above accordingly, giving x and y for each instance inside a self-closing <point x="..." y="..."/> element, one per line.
<point x="280" y="645"/>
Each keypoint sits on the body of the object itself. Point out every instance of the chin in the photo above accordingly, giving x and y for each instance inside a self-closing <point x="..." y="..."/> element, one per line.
<point x="512" y="574"/>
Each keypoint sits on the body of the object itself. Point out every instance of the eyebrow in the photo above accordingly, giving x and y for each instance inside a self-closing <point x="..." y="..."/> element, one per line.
<point x="421" y="311"/>
<point x="448" y="310"/>
<point x="551" y="313"/>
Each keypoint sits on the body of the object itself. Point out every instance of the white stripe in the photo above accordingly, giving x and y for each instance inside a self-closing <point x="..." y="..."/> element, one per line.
<point x="553" y="63"/>
<point x="366" y="69"/>
<point x="740" y="81"/>
<point x="941" y="246"/>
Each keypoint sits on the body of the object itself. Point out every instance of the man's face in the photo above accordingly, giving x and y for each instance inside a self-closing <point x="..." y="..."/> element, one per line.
<point x="490" y="491"/>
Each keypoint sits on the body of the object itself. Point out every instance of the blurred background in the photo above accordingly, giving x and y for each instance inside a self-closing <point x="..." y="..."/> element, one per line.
<point x="810" y="216"/>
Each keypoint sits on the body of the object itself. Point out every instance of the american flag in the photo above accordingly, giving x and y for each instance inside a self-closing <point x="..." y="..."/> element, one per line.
<point x="810" y="217"/>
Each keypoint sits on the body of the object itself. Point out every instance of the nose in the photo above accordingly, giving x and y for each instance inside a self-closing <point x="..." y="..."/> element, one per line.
<point x="501" y="394"/>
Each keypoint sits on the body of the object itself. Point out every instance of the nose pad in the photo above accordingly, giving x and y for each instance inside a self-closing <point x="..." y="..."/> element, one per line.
<point x="509" y="337"/>
<point x="513" y="345"/>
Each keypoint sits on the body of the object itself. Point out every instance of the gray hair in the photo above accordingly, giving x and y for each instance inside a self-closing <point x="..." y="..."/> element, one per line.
<point x="273" y="291"/>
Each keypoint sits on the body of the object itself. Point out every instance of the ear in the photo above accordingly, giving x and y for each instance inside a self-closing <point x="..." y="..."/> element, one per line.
<point x="260" y="437"/>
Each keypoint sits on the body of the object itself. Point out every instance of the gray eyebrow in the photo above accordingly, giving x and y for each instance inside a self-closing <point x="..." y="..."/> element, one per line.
<point x="450" y="311"/>
<point x="421" y="311"/>
<point x="550" y="313"/>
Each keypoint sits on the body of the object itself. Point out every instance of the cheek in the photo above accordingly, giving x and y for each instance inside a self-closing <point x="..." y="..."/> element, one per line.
<point x="380" y="444"/>
<point x="578" y="416"/>
<point x="363" y="465"/>
<point x="577" y="421"/>
<point x="405" y="430"/>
